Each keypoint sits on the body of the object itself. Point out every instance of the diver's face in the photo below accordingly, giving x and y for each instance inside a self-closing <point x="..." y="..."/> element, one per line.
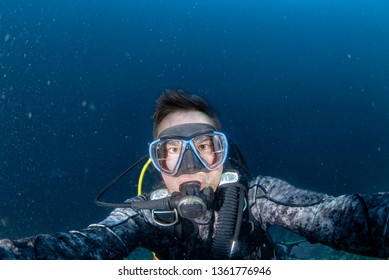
<point x="206" y="178"/>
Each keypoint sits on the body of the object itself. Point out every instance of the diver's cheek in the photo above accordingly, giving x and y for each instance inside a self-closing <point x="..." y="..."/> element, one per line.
<point x="213" y="178"/>
<point x="172" y="183"/>
<point x="206" y="179"/>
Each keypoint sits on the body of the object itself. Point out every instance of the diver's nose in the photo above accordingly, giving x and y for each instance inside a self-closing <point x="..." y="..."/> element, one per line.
<point x="190" y="163"/>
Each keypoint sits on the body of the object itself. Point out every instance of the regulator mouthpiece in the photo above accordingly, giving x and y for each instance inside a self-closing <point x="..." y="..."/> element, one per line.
<point x="190" y="202"/>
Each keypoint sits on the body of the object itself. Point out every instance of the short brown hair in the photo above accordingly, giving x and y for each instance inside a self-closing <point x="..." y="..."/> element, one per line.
<point x="178" y="100"/>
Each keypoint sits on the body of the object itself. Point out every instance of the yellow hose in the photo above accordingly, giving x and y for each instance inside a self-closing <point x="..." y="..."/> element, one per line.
<point x="142" y="174"/>
<point x="140" y="182"/>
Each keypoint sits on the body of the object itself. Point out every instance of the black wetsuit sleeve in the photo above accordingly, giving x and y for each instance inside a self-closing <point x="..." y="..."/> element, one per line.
<point x="354" y="223"/>
<point x="113" y="238"/>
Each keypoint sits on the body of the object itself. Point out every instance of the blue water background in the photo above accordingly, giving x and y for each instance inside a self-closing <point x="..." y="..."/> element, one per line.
<point x="301" y="86"/>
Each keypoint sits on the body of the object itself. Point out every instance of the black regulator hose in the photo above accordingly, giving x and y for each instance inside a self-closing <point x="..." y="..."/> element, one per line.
<point x="229" y="221"/>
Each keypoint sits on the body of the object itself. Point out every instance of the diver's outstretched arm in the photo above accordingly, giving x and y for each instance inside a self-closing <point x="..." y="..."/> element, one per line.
<point x="354" y="223"/>
<point x="113" y="238"/>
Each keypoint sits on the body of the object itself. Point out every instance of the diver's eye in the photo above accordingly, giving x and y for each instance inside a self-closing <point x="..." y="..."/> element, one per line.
<point x="204" y="147"/>
<point x="173" y="150"/>
<point x="203" y="144"/>
<point x="173" y="147"/>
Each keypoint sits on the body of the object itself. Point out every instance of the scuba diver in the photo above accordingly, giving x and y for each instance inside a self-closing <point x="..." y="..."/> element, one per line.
<point x="207" y="205"/>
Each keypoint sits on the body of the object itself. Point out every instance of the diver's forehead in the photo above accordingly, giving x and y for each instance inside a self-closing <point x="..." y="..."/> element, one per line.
<point x="183" y="117"/>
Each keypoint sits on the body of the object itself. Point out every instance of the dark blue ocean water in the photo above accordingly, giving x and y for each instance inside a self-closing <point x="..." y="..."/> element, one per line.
<point x="301" y="86"/>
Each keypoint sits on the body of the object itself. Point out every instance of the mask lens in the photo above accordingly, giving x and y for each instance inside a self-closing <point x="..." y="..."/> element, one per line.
<point x="211" y="148"/>
<point x="166" y="154"/>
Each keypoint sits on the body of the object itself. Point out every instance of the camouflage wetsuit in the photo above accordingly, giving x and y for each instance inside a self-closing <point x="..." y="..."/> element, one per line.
<point x="354" y="223"/>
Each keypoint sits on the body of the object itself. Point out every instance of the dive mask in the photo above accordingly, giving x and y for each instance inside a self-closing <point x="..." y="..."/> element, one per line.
<point x="188" y="148"/>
